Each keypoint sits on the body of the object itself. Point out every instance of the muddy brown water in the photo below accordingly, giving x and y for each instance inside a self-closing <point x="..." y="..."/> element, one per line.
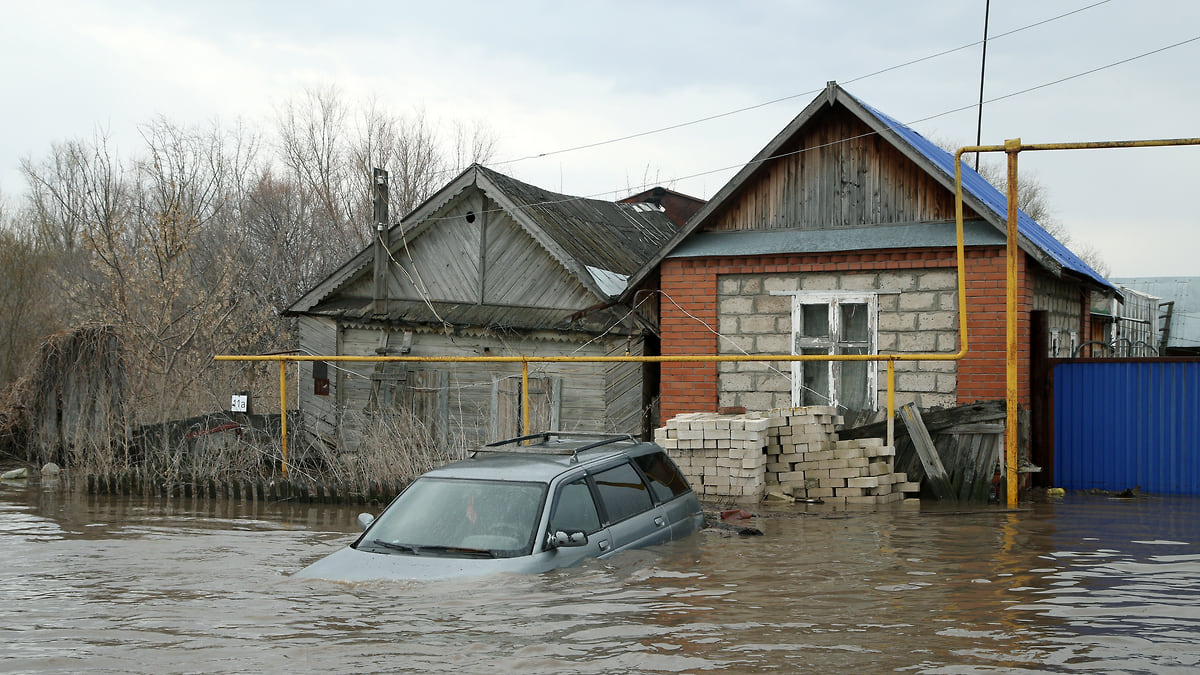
<point x="1085" y="584"/>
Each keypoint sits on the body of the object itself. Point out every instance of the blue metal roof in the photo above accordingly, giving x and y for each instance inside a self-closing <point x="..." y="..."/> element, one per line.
<point x="987" y="193"/>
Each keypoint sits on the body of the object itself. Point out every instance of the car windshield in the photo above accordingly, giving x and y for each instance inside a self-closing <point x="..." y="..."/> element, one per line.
<point x="459" y="517"/>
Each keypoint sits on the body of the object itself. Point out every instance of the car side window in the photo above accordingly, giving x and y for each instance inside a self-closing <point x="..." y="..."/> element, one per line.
<point x="665" y="480"/>
<point x="623" y="492"/>
<point x="575" y="509"/>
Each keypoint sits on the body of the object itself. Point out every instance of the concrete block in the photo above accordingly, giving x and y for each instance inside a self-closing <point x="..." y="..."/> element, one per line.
<point x="878" y="469"/>
<point x="835" y="464"/>
<point x="864" y="482"/>
<point x="842" y="452"/>
<point x="836" y="483"/>
<point x="848" y="492"/>
<point x="844" y="473"/>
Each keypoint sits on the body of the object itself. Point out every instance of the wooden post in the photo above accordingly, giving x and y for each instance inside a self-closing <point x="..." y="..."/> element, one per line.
<point x="379" y="198"/>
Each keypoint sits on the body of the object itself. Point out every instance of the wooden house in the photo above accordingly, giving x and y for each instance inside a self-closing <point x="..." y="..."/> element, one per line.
<point x="488" y="266"/>
<point x="839" y="238"/>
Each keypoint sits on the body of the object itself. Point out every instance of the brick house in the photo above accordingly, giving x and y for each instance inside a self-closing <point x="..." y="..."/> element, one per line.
<point x="838" y="237"/>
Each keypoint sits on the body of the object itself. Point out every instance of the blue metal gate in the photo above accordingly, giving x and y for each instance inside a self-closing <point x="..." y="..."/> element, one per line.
<point x="1125" y="423"/>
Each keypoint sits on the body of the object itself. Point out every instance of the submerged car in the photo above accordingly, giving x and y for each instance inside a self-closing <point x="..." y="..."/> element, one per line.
<point x="524" y="505"/>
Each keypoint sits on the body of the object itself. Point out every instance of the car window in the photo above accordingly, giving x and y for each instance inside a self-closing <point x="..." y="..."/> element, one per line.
<point x="575" y="509"/>
<point x="665" y="480"/>
<point x="623" y="492"/>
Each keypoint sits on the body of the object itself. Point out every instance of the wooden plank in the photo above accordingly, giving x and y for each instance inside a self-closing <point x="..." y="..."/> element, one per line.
<point x="935" y="473"/>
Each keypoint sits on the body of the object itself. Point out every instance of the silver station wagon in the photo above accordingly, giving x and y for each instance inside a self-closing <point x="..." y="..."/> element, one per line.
<point x="524" y="505"/>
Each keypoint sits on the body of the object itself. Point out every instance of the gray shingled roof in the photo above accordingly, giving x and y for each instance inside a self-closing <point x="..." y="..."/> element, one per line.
<point x="604" y="235"/>
<point x="600" y="243"/>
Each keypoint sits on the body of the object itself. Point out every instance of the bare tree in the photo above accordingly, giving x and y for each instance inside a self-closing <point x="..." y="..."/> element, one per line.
<point x="25" y="292"/>
<point x="1033" y="199"/>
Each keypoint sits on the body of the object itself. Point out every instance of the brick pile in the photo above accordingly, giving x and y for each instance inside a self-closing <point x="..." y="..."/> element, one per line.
<point x="721" y="455"/>
<point x="794" y="452"/>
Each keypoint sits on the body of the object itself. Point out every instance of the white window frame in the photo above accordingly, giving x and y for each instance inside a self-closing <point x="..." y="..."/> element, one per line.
<point x="834" y="299"/>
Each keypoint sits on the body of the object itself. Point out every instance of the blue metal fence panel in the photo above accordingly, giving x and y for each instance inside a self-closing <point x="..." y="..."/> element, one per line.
<point x="1125" y="424"/>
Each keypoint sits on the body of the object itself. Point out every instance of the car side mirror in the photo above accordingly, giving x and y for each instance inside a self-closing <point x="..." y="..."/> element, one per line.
<point x="365" y="520"/>
<point x="563" y="539"/>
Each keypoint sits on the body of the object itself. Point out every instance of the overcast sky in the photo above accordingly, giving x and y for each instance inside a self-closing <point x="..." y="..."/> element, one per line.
<point x="547" y="76"/>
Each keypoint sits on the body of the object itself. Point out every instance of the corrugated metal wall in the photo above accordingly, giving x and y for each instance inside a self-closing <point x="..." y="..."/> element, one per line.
<point x="1121" y="424"/>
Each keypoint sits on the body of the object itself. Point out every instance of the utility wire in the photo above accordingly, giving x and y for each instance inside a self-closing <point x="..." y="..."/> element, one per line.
<point x="789" y="97"/>
<point x="700" y="174"/>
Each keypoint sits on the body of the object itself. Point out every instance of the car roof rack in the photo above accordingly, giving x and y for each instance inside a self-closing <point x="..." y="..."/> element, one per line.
<point x="545" y="436"/>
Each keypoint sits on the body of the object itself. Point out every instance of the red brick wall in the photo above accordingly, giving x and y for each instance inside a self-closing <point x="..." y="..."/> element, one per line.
<point x="690" y="287"/>
<point x="982" y="374"/>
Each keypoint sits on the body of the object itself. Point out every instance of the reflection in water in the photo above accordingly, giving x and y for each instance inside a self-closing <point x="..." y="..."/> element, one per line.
<point x="129" y="584"/>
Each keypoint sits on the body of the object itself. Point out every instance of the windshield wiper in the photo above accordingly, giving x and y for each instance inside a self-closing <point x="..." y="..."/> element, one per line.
<point x="407" y="548"/>
<point x="475" y="552"/>
<point x="418" y="549"/>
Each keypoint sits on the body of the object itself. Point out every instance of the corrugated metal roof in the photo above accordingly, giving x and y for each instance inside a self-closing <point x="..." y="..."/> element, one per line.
<point x="1185" y="315"/>
<point x="758" y="242"/>
<point x="990" y="196"/>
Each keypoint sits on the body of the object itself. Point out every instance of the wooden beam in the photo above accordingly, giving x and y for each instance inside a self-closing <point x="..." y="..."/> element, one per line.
<point x="935" y="473"/>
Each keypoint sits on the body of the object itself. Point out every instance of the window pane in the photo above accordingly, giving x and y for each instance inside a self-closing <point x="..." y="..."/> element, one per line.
<point x="814" y="320"/>
<point x="852" y="381"/>
<point x="814" y="379"/>
<point x="623" y="492"/>
<point x="575" y="510"/>
<point x="854" y="326"/>
<point x="665" y="479"/>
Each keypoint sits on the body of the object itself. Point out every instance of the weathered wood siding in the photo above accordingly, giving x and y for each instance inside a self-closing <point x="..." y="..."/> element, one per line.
<point x="445" y="262"/>
<point x="838" y="174"/>
<point x="624" y="392"/>
<point x="318" y="336"/>
<point x="473" y="403"/>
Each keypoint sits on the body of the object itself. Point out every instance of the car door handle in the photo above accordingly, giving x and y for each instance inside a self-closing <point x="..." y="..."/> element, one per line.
<point x="658" y="521"/>
<point x="603" y="543"/>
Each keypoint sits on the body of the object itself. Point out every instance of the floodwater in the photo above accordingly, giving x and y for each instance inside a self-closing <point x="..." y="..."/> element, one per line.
<point x="1085" y="584"/>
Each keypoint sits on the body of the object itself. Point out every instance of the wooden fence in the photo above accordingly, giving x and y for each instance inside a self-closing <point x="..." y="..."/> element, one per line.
<point x="262" y="490"/>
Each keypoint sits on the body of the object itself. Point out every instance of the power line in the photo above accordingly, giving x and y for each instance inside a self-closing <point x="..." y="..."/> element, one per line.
<point x="708" y="172"/>
<point x="789" y="97"/>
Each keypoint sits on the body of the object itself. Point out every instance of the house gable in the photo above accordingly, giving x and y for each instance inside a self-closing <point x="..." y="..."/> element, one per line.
<point x="834" y="172"/>
<point x="471" y="252"/>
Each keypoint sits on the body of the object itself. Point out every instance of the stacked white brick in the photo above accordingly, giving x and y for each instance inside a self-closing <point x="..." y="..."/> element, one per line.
<point x="744" y="456"/>
<point x="721" y="455"/>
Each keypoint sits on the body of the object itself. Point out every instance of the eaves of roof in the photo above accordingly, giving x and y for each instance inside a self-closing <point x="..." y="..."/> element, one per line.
<point x="496" y="318"/>
<point x="777" y="242"/>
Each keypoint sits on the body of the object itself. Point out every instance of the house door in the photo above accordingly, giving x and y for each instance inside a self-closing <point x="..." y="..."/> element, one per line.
<point x="507" y="418"/>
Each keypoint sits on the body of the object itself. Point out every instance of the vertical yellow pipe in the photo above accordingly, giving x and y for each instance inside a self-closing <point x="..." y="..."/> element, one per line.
<point x="891" y="403"/>
<point x="1011" y="147"/>
<point x="524" y="398"/>
<point x="283" y="413"/>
